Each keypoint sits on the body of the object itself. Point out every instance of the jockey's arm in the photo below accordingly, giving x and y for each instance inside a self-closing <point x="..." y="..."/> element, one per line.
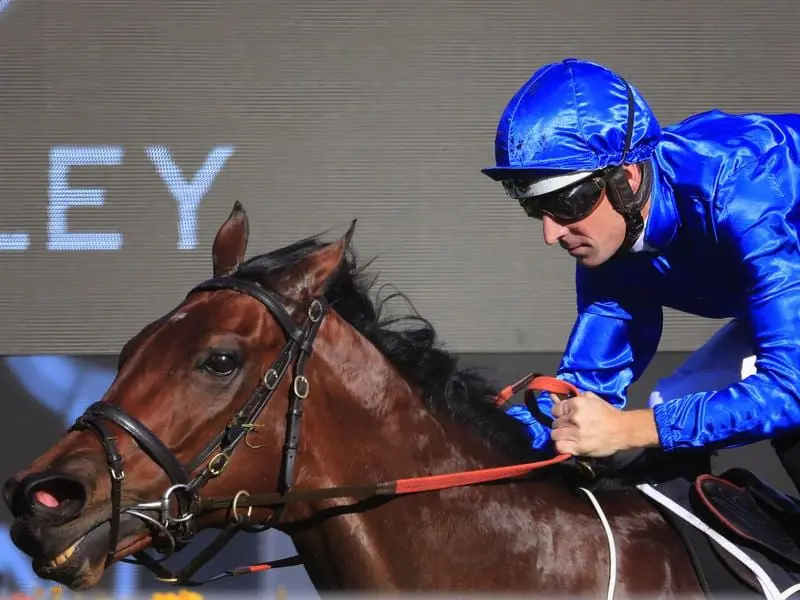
<point x="752" y="229"/>
<point x="610" y="345"/>
<point x="612" y="341"/>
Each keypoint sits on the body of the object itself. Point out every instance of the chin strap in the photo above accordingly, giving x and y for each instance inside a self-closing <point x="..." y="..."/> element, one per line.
<point x="631" y="210"/>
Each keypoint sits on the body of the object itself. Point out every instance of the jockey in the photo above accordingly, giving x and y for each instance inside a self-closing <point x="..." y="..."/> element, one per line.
<point x="701" y="217"/>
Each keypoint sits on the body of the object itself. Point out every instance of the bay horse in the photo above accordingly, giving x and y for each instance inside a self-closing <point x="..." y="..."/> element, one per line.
<point x="202" y="428"/>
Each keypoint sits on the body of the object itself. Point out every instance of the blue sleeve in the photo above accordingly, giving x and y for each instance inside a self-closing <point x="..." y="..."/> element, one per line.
<point x="611" y="343"/>
<point x="613" y="339"/>
<point x="753" y="226"/>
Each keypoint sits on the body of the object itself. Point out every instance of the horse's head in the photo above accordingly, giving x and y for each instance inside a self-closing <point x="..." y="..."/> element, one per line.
<point x="185" y="418"/>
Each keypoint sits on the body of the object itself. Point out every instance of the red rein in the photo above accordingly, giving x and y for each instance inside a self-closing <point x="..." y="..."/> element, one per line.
<point x="438" y="482"/>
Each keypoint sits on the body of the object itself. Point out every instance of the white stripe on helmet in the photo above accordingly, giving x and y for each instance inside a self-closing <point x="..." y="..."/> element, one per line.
<point x="551" y="184"/>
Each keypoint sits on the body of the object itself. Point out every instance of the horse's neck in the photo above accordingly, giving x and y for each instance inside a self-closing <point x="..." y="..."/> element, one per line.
<point x="379" y="430"/>
<point x="377" y="422"/>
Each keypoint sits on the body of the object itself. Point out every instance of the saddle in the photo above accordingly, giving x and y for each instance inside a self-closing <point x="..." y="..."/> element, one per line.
<point x="737" y="504"/>
<point x="752" y="513"/>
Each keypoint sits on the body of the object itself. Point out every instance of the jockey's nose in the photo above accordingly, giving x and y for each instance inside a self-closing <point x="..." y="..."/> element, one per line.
<point x="552" y="230"/>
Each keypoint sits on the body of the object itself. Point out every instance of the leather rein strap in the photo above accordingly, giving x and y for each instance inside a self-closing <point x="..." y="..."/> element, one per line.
<point x="185" y="489"/>
<point x="533" y="383"/>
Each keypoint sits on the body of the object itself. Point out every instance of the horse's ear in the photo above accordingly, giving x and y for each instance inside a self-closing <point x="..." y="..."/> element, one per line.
<point x="231" y="242"/>
<point x="307" y="279"/>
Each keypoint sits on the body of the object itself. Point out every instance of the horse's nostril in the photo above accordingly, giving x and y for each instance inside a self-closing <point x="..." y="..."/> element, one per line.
<point x="51" y="498"/>
<point x="54" y="492"/>
<point x="60" y="494"/>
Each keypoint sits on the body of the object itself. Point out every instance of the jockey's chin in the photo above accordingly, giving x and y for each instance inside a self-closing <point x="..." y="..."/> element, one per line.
<point x="592" y="255"/>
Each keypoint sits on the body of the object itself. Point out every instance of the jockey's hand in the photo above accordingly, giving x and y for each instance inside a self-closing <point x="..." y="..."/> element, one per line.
<point x="587" y="425"/>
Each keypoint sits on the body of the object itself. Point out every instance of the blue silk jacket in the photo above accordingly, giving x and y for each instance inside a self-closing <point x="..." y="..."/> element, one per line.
<point x="721" y="240"/>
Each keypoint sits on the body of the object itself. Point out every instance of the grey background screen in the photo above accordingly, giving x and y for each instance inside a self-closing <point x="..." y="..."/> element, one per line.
<point x="129" y="128"/>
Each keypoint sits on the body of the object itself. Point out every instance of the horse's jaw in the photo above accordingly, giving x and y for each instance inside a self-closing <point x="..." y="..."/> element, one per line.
<point x="77" y="560"/>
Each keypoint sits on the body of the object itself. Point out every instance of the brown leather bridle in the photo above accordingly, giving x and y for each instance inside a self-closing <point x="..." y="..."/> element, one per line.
<point x="181" y="503"/>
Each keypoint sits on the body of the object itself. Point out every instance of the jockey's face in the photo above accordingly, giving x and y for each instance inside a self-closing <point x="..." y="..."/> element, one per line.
<point x="595" y="239"/>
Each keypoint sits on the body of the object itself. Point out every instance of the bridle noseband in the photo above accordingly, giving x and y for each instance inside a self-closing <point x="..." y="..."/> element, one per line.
<point x="185" y="489"/>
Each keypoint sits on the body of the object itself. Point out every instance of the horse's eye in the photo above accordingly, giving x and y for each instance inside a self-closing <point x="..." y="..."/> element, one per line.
<point x="220" y="364"/>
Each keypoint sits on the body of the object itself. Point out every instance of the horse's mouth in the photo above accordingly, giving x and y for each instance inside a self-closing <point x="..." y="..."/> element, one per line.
<point x="81" y="564"/>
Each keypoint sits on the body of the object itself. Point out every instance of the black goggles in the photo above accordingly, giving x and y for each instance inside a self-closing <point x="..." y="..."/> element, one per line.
<point x="567" y="205"/>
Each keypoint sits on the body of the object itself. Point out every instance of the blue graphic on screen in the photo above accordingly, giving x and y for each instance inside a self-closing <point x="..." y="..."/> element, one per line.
<point x="188" y="195"/>
<point x="187" y="192"/>
<point x="4" y="5"/>
<point x="63" y="197"/>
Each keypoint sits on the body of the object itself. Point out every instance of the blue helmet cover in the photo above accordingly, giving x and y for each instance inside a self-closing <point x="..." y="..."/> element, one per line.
<point x="571" y="116"/>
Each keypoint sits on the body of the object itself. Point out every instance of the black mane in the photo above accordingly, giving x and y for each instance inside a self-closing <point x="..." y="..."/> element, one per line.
<point x="409" y="342"/>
